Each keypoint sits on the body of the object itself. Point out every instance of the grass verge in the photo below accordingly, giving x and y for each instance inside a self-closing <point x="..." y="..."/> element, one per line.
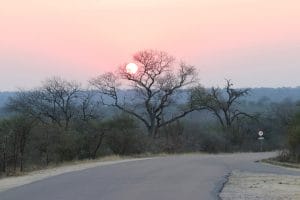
<point x="273" y="161"/>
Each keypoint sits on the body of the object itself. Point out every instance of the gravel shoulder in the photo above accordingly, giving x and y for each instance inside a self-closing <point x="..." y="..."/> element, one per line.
<point x="11" y="182"/>
<point x="263" y="186"/>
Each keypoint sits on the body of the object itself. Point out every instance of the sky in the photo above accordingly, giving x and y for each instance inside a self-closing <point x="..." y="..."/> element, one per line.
<point x="253" y="42"/>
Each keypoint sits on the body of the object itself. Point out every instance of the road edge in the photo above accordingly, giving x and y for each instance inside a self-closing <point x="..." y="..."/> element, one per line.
<point x="220" y="186"/>
<point x="13" y="182"/>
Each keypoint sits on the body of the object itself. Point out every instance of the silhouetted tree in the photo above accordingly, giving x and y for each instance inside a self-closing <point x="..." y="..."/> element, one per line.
<point x="153" y="89"/>
<point x="223" y="103"/>
<point x="54" y="102"/>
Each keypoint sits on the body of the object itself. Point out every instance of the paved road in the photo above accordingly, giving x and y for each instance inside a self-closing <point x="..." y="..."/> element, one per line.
<point x="185" y="177"/>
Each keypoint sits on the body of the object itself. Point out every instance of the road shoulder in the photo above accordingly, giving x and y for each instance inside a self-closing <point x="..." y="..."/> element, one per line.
<point x="250" y="186"/>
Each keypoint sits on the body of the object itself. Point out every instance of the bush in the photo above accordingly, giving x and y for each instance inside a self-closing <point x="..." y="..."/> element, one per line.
<point x="124" y="136"/>
<point x="294" y="138"/>
<point x="294" y="141"/>
<point x="205" y="138"/>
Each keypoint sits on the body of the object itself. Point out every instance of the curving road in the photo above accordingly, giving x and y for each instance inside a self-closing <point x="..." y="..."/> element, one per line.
<point x="184" y="177"/>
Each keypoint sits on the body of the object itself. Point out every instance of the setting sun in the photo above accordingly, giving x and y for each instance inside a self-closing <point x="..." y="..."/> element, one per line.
<point x="83" y="80"/>
<point x="131" y="68"/>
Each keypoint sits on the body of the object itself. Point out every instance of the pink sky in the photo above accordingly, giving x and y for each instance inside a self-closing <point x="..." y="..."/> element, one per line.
<point x="253" y="42"/>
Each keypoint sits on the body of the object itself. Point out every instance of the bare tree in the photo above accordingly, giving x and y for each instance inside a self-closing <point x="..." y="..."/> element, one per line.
<point x="223" y="103"/>
<point x="60" y="98"/>
<point x="153" y="89"/>
<point x="59" y="106"/>
<point x="54" y="102"/>
<point x="88" y="106"/>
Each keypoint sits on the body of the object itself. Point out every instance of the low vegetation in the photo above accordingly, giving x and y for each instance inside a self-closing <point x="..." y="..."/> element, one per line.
<point x="161" y="108"/>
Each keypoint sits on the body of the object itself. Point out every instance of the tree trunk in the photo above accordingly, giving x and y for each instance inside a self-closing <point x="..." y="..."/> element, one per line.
<point x="152" y="131"/>
<point x="15" y="154"/>
<point x="4" y="162"/>
<point x="47" y="148"/>
<point x="94" y="154"/>
<point x="4" y="155"/>
<point x="21" y="162"/>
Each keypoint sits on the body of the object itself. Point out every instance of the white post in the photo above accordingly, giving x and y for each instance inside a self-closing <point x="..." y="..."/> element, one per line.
<point x="261" y="138"/>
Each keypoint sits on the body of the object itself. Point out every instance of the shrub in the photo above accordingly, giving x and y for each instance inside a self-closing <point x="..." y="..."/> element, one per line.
<point x="124" y="137"/>
<point x="294" y="137"/>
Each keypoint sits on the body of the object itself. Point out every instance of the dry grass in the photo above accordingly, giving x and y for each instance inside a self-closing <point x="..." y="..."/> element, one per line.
<point x="283" y="164"/>
<point x="105" y="159"/>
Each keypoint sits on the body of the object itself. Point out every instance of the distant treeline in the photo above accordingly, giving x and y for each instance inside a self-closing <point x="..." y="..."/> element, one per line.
<point x="257" y="95"/>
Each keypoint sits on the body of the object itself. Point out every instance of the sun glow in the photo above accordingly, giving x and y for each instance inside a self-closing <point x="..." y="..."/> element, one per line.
<point x="131" y="68"/>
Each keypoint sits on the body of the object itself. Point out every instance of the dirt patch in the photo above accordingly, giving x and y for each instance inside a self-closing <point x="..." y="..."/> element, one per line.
<point x="254" y="186"/>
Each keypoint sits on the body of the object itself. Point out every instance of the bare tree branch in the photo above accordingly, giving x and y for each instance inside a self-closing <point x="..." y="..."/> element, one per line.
<point x="155" y="86"/>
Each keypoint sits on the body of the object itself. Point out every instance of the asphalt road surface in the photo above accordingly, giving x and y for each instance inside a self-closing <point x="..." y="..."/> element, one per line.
<point x="184" y="177"/>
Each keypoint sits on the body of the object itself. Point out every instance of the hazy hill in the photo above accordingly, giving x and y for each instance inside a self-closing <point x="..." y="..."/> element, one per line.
<point x="256" y="95"/>
<point x="4" y="96"/>
<point x="274" y="94"/>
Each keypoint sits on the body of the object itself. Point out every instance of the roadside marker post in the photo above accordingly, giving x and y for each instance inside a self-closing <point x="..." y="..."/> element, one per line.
<point x="261" y="139"/>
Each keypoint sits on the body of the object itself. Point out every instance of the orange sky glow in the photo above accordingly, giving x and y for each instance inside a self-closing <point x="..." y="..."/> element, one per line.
<point x="253" y="42"/>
